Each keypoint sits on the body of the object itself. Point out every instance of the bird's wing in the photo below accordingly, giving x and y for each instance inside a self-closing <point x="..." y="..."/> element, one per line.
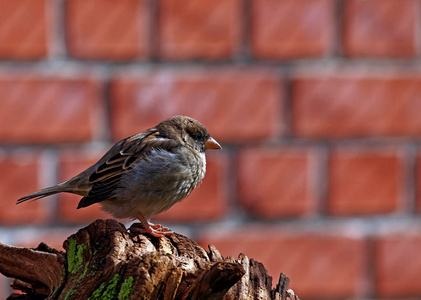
<point x="119" y="160"/>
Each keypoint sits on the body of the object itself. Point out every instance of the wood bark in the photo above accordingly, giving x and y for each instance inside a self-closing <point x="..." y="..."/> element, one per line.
<point x="105" y="261"/>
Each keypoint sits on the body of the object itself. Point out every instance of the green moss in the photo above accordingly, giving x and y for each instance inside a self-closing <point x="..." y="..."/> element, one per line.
<point x="75" y="256"/>
<point x="98" y="292"/>
<point x="85" y="272"/>
<point x="111" y="290"/>
<point x="54" y="293"/>
<point x="69" y="294"/>
<point x="126" y="289"/>
<point x="94" y="267"/>
<point x="106" y="291"/>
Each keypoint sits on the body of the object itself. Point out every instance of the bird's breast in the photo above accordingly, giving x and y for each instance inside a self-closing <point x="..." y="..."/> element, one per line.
<point x="159" y="181"/>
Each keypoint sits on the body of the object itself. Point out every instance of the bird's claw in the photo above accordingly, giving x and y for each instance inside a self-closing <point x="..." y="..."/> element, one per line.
<point x="154" y="229"/>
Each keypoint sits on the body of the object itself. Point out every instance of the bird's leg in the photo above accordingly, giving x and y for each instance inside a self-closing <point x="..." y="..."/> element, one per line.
<point x="156" y="230"/>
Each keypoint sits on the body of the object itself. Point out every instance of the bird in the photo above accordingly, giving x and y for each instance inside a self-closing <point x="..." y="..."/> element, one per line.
<point x="143" y="175"/>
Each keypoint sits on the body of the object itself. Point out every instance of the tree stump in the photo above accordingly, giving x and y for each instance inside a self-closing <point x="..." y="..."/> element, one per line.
<point x="105" y="261"/>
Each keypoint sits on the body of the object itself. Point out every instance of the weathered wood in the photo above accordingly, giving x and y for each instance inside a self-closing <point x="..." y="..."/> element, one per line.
<point x="38" y="271"/>
<point x="105" y="261"/>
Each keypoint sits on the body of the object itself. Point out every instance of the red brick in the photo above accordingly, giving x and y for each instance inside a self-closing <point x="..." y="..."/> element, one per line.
<point x="48" y="110"/>
<point x="19" y="175"/>
<point x="352" y="105"/>
<point x="206" y="29"/>
<point x="207" y="202"/>
<point x="418" y="182"/>
<point x="398" y="265"/>
<point x="23" y="31"/>
<point x="234" y="105"/>
<point x="291" y="29"/>
<point x="72" y="163"/>
<point x="107" y="29"/>
<point x="276" y="182"/>
<point x="381" y="28"/>
<point x="365" y="181"/>
<point x="323" y="267"/>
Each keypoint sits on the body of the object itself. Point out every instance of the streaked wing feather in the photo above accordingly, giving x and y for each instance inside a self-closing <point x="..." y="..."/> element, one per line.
<point x="108" y="174"/>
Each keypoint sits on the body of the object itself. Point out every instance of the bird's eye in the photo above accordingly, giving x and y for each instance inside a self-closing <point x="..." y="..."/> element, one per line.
<point x="197" y="135"/>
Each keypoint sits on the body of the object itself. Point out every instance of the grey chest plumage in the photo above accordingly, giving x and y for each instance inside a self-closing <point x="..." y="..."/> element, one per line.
<point x="157" y="182"/>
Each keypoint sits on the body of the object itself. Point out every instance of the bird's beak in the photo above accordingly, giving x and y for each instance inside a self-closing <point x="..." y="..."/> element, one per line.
<point x="212" y="144"/>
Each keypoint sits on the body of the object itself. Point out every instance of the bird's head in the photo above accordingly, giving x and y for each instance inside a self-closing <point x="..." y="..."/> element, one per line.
<point x="188" y="131"/>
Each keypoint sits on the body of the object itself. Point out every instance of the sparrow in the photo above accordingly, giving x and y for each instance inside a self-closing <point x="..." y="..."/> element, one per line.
<point x="144" y="174"/>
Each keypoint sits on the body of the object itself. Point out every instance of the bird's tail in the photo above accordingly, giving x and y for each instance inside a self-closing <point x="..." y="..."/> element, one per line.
<point x="61" y="187"/>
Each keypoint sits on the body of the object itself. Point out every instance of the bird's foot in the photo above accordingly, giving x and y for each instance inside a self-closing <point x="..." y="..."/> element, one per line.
<point x="154" y="229"/>
<point x="159" y="227"/>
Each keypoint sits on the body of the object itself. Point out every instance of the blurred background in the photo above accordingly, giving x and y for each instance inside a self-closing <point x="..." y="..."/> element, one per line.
<point x="317" y="104"/>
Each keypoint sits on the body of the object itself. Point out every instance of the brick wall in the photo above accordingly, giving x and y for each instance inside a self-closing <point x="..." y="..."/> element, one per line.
<point x="317" y="104"/>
